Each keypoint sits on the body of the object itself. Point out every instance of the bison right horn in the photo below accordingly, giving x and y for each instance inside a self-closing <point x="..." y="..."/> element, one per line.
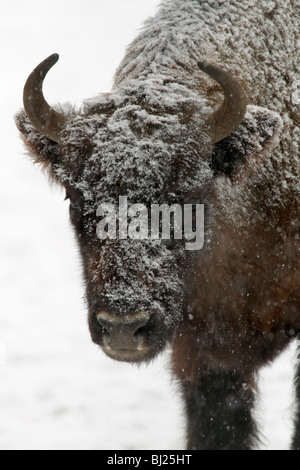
<point x="44" y="118"/>
<point x="228" y="117"/>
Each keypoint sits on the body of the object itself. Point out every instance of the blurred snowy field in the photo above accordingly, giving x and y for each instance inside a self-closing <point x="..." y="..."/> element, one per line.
<point x="57" y="390"/>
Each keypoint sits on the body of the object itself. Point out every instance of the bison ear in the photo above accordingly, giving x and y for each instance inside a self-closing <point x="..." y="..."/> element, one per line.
<point x="256" y="136"/>
<point x="41" y="149"/>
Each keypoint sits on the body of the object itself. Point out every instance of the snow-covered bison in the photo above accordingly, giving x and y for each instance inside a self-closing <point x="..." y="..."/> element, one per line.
<point x="166" y="136"/>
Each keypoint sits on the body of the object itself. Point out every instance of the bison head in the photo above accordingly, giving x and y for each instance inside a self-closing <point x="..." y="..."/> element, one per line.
<point x="151" y="140"/>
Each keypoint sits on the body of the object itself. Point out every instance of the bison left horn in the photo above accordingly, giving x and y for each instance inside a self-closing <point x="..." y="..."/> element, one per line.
<point x="228" y="117"/>
<point x="44" y="118"/>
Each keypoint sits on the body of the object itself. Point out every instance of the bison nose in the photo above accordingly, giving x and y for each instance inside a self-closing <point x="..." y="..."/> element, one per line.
<point x="123" y="332"/>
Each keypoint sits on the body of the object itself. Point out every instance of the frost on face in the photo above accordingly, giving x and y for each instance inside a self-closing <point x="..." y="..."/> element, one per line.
<point x="296" y="92"/>
<point x="150" y="156"/>
<point x="142" y="277"/>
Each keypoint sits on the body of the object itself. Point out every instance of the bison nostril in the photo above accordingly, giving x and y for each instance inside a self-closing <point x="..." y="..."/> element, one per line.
<point x="123" y="332"/>
<point x="105" y="331"/>
<point x="142" y="329"/>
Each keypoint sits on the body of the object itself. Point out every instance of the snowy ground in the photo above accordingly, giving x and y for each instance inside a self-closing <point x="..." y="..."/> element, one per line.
<point x="57" y="390"/>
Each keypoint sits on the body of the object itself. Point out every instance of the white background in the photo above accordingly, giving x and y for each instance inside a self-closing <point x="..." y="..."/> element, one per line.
<point x="57" y="390"/>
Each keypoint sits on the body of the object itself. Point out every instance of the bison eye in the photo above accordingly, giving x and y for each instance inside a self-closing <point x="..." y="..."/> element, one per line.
<point x="75" y="208"/>
<point x="75" y="212"/>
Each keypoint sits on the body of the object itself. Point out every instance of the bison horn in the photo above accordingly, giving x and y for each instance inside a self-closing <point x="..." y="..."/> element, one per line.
<point x="227" y="118"/>
<point x="44" y="118"/>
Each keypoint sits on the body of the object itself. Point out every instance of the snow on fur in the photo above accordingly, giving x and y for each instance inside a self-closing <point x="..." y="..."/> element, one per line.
<point x="140" y="137"/>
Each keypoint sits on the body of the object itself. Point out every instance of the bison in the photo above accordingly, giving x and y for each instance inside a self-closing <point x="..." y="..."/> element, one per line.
<point x="164" y="135"/>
